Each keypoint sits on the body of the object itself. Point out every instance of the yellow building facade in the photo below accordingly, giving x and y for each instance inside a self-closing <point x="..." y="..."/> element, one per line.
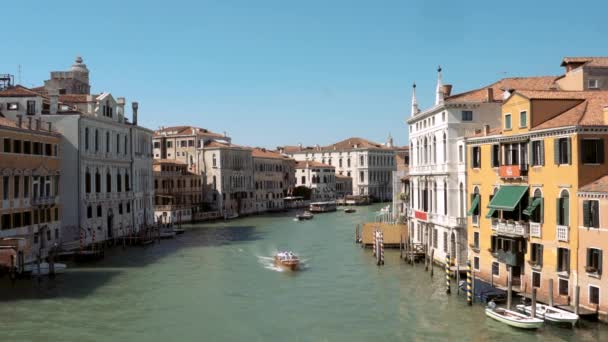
<point x="523" y="180"/>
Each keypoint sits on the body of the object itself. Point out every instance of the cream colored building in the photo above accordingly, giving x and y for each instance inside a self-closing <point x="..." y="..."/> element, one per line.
<point x="319" y="178"/>
<point x="272" y="174"/>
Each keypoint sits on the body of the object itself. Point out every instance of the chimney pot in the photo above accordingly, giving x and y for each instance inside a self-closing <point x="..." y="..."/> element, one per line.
<point x="54" y="98"/>
<point x="446" y="89"/>
<point x="490" y="95"/>
<point x="486" y="128"/>
<point x="134" y="107"/>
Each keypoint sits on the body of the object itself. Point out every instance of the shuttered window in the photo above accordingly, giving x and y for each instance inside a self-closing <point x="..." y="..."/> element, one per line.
<point x="495" y="155"/>
<point x="538" y="152"/>
<point x="591" y="217"/>
<point x="536" y="255"/>
<point x="475" y="157"/>
<point x="592" y="151"/>
<point x="594" y="261"/>
<point x="563" y="260"/>
<point x="562" y="209"/>
<point x="562" y="151"/>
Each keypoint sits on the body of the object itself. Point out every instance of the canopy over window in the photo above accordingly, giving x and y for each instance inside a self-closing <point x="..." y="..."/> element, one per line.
<point x="530" y="209"/>
<point x="507" y="197"/>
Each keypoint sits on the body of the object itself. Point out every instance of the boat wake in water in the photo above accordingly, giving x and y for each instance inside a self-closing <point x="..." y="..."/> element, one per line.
<point x="268" y="263"/>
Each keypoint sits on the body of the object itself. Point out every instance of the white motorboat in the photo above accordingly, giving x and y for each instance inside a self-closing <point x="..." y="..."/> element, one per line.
<point x="44" y="268"/>
<point x="550" y="313"/>
<point x="307" y="215"/>
<point x="512" y="318"/>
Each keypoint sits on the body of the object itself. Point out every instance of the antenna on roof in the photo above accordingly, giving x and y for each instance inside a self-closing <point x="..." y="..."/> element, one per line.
<point x="6" y="81"/>
<point x="19" y="74"/>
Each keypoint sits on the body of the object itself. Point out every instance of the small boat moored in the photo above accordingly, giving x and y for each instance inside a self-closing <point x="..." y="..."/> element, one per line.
<point x="550" y="313"/>
<point x="349" y="210"/>
<point x="512" y="318"/>
<point x="307" y="215"/>
<point x="287" y="260"/>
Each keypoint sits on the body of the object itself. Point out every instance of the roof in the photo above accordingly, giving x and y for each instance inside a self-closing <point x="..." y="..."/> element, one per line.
<point x="527" y="83"/>
<point x="587" y="61"/>
<point x="479" y="133"/>
<point x="346" y="144"/>
<point x="343" y="177"/>
<point x="185" y="130"/>
<point x="18" y="91"/>
<point x="311" y="163"/>
<point x="4" y="122"/>
<point x="598" y="185"/>
<point x="74" y="98"/>
<point x="264" y="153"/>
<point x="214" y="143"/>
<point x="168" y="161"/>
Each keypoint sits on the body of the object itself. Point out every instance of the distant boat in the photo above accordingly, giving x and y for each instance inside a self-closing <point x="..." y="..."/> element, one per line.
<point x="550" y="313"/>
<point x="287" y="260"/>
<point x="44" y="268"/>
<point x="322" y="207"/>
<point x="307" y="215"/>
<point x="231" y="217"/>
<point x="512" y="318"/>
<point x="349" y="210"/>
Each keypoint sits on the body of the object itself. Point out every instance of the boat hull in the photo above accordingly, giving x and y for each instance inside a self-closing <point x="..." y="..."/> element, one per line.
<point x="291" y="265"/>
<point x="550" y="314"/>
<point x="527" y="323"/>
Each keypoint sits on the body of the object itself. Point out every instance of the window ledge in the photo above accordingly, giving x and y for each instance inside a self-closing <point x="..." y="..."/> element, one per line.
<point x="594" y="275"/>
<point x="592" y="164"/>
<point x="563" y="274"/>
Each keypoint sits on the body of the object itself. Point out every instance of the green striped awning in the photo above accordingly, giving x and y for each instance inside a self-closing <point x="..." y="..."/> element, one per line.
<point x="530" y="209"/>
<point x="490" y="213"/>
<point x="507" y="197"/>
<point x="474" y="205"/>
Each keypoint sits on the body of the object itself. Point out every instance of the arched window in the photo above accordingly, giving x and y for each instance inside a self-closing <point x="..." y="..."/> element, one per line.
<point x="214" y="183"/>
<point x="434" y="196"/>
<point x="538" y="205"/>
<point x="361" y="161"/>
<point x="434" y="149"/>
<point x="96" y="141"/>
<point x="445" y="197"/>
<point x="445" y="149"/>
<point x="348" y="162"/>
<point x="119" y="182"/>
<point x="107" y="142"/>
<point x="563" y="208"/>
<point x="340" y="162"/>
<point x="214" y="161"/>
<point x="127" y="187"/>
<point x="86" y="138"/>
<point x="108" y="182"/>
<point x="425" y="152"/>
<point x="97" y="181"/>
<point x="87" y="182"/>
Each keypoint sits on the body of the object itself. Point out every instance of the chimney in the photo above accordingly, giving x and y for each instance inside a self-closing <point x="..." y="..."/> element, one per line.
<point x="19" y="120"/>
<point x="490" y="95"/>
<point x="134" y="107"/>
<point x="120" y="107"/>
<point x="486" y="128"/>
<point x="606" y="115"/>
<point x="54" y="97"/>
<point x="446" y="89"/>
<point x="91" y="104"/>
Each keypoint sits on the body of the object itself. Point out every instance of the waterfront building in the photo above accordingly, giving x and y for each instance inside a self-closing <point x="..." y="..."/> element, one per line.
<point x="437" y="170"/>
<point x="319" y="178"/>
<point x="344" y="186"/>
<point x="593" y="242"/>
<point x="185" y="144"/>
<point x="178" y="192"/>
<point x="401" y="183"/>
<point x="97" y="161"/>
<point x="228" y="169"/>
<point x="523" y="179"/>
<point x="272" y="173"/>
<point x="30" y="221"/>
<point x="143" y="179"/>
<point x="369" y="164"/>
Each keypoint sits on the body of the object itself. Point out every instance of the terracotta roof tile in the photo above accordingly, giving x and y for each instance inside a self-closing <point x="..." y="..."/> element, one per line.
<point x="528" y="83"/>
<point x="598" y="185"/>
<point x="587" y="61"/>
<point x="18" y="91"/>
<point x="346" y="144"/>
<point x="264" y="153"/>
<point x="185" y="130"/>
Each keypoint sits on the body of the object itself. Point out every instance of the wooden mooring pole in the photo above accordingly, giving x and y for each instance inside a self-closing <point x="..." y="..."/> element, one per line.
<point x="577" y="292"/>
<point x="469" y="284"/>
<point x="447" y="274"/>
<point x="509" y="287"/>
<point x="550" y="292"/>
<point x="533" y="312"/>
<point x="432" y="261"/>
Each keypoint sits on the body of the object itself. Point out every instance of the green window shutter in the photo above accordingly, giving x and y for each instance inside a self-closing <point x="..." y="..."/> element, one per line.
<point x="542" y="152"/>
<point x="600" y="151"/>
<point x="558" y="206"/>
<point x="566" y="203"/>
<point x="542" y="210"/>
<point x="472" y="157"/>
<point x="596" y="217"/>
<point x="541" y="247"/>
<point x="569" y="148"/>
<point x="586" y="214"/>
<point x="556" y="151"/>
<point x="530" y="155"/>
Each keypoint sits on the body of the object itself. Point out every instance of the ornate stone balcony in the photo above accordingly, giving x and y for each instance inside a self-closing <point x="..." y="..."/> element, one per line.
<point x="511" y="228"/>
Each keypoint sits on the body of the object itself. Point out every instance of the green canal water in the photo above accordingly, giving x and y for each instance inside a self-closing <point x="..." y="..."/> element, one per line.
<point x="214" y="284"/>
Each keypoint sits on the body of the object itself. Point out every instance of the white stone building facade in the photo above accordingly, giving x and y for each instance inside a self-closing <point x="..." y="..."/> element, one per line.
<point x="319" y="178"/>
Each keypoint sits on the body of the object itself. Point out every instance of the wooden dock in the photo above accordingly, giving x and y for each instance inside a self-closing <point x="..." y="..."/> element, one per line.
<point x="394" y="234"/>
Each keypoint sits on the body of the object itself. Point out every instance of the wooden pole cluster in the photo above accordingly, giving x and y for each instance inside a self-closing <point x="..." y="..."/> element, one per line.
<point x="380" y="248"/>
<point x="469" y="284"/>
<point x="447" y="274"/>
<point x="374" y="233"/>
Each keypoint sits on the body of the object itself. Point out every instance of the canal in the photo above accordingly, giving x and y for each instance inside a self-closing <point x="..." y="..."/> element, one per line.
<point x="214" y="284"/>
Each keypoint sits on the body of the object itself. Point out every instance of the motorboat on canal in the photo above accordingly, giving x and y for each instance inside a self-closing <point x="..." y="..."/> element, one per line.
<point x="307" y="215"/>
<point x="349" y="210"/>
<point x="322" y="207"/>
<point x="287" y="260"/>
<point x="512" y="318"/>
<point x="550" y="313"/>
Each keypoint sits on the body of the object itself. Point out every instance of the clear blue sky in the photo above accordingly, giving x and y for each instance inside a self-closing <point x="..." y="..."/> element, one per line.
<point x="286" y="72"/>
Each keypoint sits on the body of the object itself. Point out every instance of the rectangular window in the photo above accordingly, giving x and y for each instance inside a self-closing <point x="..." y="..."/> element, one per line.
<point x="591" y="213"/>
<point x="563" y="260"/>
<point x="594" y="261"/>
<point x="156" y="144"/>
<point x="48" y="150"/>
<point x="98" y="211"/>
<point x="538" y="152"/>
<point x="495" y="268"/>
<point x="16" y="146"/>
<point x="523" y="119"/>
<point x="563" y="287"/>
<point x="467" y="115"/>
<point x="5" y="183"/>
<point x="593" y="83"/>
<point x="89" y="212"/>
<point x="594" y="295"/>
<point x="536" y="256"/>
<point x="12" y="106"/>
<point x="592" y="151"/>
<point x="27" y="147"/>
<point x="562" y="151"/>
<point x="476" y="263"/>
<point x="495" y="155"/>
<point x="169" y="144"/>
<point x="535" y="279"/>
<point x="6" y="221"/>
<point x="190" y="143"/>
<point x="16" y="181"/>
<point x="31" y="107"/>
<point x="7" y="145"/>
<point x="476" y="157"/>
<point x="508" y="121"/>
<point x="460" y="154"/>
<point x="183" y="143"/>
<point x="476" y="240"/>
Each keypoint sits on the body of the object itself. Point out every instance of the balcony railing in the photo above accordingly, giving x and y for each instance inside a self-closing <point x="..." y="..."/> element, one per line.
<point x="494" y="223"/>
<point x="447" y="220"/>
<point x="535" y="230"/>
<point x="563" y="233"/>
<point x="513" y="171"/>
<point x="512" y="228"/>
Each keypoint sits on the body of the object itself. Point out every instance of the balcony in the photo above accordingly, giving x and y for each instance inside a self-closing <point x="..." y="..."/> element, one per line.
<point x="563" y="233"/>
<point x="535" y="230"/>
<point x="447" y="220"/>
<point x="46" y="200"/>
<point x="513" y="171"/>
<point x="510" y="258"/>
<point x="510" y="228"/>
<point x="494" y="223"/>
